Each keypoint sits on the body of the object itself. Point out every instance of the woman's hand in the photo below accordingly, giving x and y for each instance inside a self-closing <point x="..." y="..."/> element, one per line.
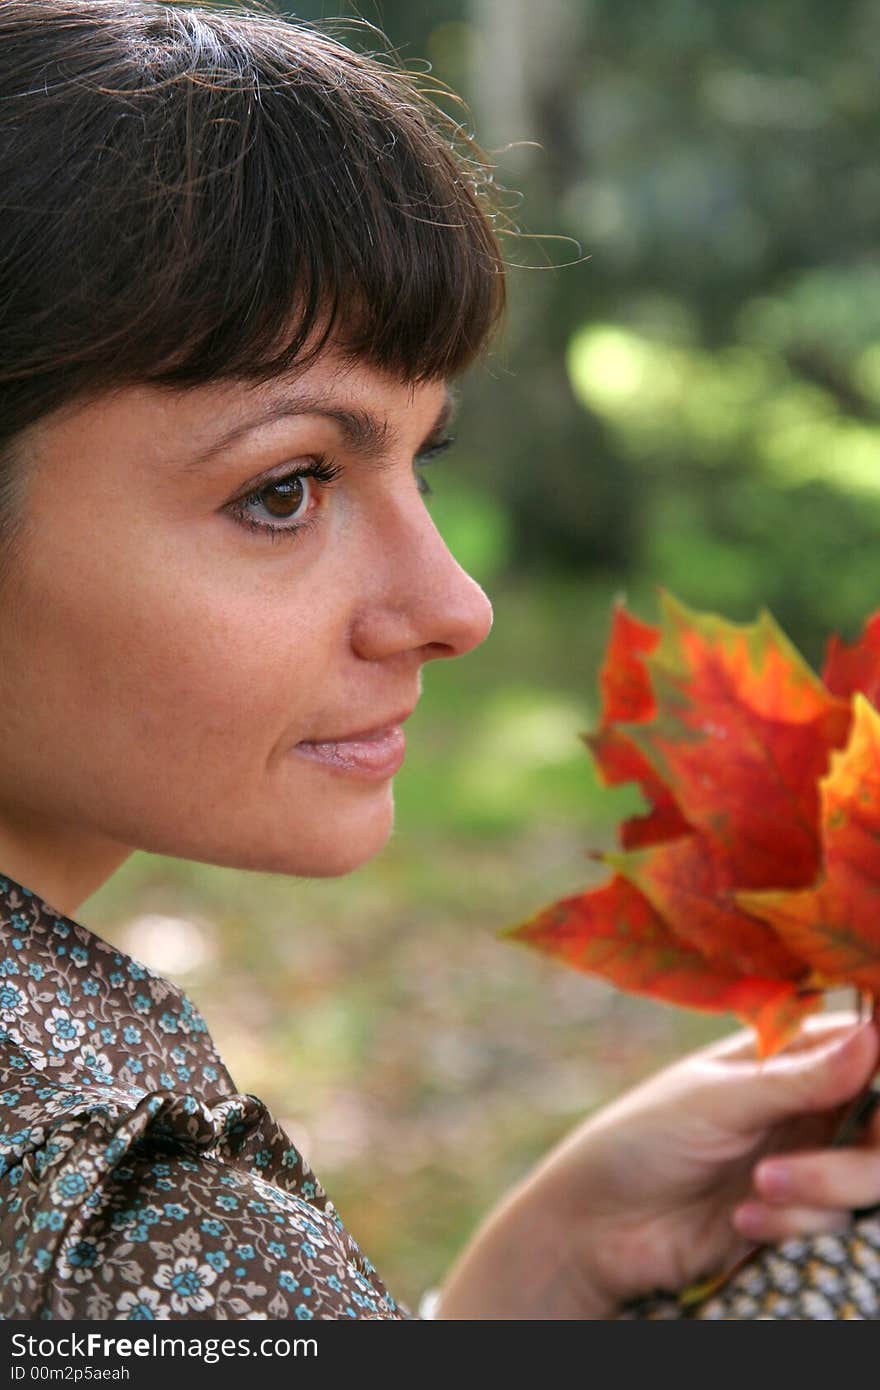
<point x="673" y="1182"/>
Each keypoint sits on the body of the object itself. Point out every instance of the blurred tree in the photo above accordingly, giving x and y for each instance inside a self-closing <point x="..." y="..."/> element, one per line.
<point x="717" y="164"/>
<point x="704" y="176"/>
<point x="556" y="466"/>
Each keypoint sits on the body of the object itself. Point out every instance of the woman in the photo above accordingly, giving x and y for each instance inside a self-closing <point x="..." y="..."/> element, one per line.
<point x="239" y="268"/>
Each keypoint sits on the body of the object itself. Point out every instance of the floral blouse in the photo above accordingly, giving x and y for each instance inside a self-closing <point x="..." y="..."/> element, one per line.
<point x="135" y="1181"/>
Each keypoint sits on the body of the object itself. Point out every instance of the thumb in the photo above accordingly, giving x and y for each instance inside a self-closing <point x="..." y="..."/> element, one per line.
<point x="829" y="1067"/>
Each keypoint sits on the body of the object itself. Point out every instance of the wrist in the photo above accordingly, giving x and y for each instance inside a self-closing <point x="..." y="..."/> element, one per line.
<point x="527" y="1263"/>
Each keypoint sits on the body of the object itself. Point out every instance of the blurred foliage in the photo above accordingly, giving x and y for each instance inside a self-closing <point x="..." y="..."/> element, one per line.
<point x="693" y="397"/>
<point x="688" y="394"/>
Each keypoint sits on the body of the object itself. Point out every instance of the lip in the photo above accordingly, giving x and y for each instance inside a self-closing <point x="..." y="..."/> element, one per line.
<point x="375" y="753"/>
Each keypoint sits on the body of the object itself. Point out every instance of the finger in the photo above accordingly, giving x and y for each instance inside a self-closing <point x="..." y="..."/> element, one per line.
<point x="748" y="1096"/>
<point x="769" y="1224"/>
<point x="828" y="1178"/>
<point x="814" y="1031"/>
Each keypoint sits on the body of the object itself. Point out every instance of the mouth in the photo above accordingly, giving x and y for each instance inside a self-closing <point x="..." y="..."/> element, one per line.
<point x="375" y="753"/>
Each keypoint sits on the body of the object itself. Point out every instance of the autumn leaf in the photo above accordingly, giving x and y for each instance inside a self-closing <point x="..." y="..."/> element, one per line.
<point x="835" y="924"/>
<point x="689" y="885"/>
<point x="753" y="881"/>
<point x="853" y="668"/>
<point x="743" y="732"/>
<point x="623" y="680"/>
<point x="627" y="697"/>
<point x="613" y="931"/>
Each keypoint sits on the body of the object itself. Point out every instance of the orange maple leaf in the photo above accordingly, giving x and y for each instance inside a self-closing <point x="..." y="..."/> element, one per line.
<point x="754" y="879"/>
<point x="834" y="925"/>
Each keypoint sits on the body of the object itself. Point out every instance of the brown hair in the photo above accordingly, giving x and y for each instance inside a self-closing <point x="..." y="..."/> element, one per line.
<point x="189" y="193"/>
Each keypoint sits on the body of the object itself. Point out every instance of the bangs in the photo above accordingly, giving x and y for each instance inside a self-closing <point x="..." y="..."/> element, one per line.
<point x="325" y="204"/>
<point x="239" y="190"/>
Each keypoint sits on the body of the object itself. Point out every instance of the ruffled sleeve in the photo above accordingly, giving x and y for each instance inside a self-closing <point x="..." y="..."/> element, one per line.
<point x="135" y="1181"/>
<point x="174" y="1208"/>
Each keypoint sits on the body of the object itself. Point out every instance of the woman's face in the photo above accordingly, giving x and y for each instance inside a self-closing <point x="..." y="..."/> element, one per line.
<point x="161" y="659"/>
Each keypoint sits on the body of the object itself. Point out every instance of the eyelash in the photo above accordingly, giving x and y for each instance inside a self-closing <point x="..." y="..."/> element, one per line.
<point x="326" y="474"/>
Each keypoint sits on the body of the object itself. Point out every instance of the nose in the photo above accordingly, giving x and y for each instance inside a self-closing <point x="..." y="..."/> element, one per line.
<point x="426" y="602"/>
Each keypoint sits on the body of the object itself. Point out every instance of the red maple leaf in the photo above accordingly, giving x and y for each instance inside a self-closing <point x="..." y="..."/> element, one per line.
<point x="834" y="925"/>
<point x="852" y="668"/>
<point x="627" y="698"/>
<point x="754" y="879"/>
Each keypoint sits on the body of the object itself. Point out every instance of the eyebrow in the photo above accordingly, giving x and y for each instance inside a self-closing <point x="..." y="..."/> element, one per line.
<point x="364" y="433"/>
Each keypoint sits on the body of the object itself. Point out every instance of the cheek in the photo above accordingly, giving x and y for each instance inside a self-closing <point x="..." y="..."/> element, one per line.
<point x="167" y="675"/>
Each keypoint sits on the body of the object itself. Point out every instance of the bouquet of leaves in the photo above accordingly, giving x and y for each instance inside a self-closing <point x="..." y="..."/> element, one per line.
<point x="752" y="882"/>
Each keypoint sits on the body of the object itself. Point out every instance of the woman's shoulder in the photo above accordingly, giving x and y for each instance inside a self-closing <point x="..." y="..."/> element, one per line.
<point x="135" y="1181"/>
<point x="80" y="1010"/>
<point x="171" y="1207"/>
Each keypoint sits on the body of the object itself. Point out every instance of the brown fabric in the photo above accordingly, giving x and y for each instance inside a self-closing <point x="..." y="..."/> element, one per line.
<point x="135" y="1182"/>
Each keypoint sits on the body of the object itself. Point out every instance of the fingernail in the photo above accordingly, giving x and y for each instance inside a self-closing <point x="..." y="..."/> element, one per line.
<point x="773" y="1178"/>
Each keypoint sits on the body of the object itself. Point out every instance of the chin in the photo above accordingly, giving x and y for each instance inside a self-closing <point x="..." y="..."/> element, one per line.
<point x="337" y="845"/>
<point x="337" y="838"/>
<point x="335" y="861"/>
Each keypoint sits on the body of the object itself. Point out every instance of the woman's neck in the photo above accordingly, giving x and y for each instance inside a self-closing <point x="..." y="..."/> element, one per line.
<point x="60" y="865"/>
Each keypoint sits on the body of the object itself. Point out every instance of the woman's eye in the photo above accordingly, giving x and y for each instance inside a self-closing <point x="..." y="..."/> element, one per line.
<point x="283" y="499"/>
<point x="280" y="507"/>
<point x="431" y="451"/>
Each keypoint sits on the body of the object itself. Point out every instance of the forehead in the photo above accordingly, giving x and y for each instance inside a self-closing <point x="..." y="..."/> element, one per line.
<point x="363" y="404"/>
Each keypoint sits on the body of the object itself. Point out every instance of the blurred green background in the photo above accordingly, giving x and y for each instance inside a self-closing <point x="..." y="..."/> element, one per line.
<point x="692" y="401"/>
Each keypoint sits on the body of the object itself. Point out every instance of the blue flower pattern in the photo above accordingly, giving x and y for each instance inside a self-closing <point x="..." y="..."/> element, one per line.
<point x="145" y="1187"/>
